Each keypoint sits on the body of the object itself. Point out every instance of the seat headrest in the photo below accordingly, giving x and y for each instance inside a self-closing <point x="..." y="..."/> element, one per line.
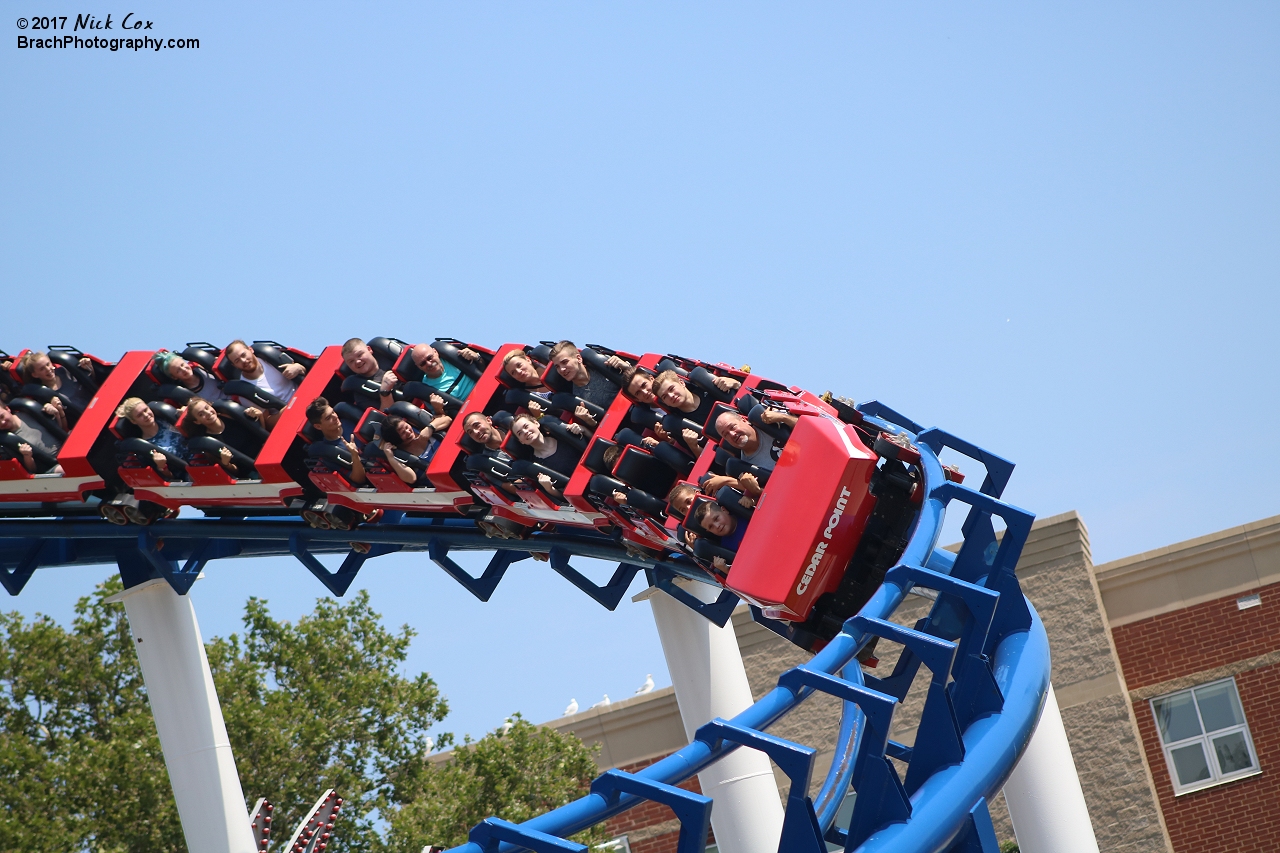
<point x="568" y="401"/>
<point x="272" y="353"/>
<point x="33" y="409"/>
<point x="123" y="428"/>
<point x="717" y="410"/>
<point x="247" y="390"/>
<point x="487" y="463"/>
<point x="413" y="414"/>
<point x="369" y="426"/>
<point x="349" y="414"/>
<point x="602" y="484"/>
<point x="405" y="368"/>
<point x="594" y="459"/>
<point x="202" y="353"/>
<point x="223" y="368"/>
<point x="234" y="411"/>
<point x="449" y="350"/>
<point x="14" y="374"/>
<point x="163" y="411"/>
<point x="644" y="471"/>
<point x="360" y="385"/>
<point x="595" y="362"/>
<point x="503" y="420"/>
<point x="735" y="467"/>
<point x="643" y="416"/>
<point x="668" y="363"/>
<point x="387" y="350"/>
<point x="173" y="393"/>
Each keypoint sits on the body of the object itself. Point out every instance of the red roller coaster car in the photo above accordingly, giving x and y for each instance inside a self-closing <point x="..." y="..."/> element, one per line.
<point x="830" y="519"/>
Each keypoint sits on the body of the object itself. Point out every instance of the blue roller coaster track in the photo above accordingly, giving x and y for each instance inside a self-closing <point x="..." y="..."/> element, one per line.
<point x="983" y="644"/>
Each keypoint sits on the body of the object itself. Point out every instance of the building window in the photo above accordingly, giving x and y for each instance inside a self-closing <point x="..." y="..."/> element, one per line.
<point x="1204" y="735"/>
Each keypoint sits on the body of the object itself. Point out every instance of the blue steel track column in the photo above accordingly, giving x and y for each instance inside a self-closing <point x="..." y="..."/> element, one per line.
<point x="710" y="681"/>
<point x="188" y="718"/>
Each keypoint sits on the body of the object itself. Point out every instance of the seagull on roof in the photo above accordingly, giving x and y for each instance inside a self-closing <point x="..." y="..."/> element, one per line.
<point x="430" y="746"/>
<point x="603" y="703"/>
<point x="572" y="709"/>
<point x="507" y="727"/>
<point x="647" y="687"/>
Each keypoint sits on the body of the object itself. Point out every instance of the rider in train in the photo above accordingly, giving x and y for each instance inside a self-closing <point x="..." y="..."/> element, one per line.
<point x="685" y="450"/>
<point x="30" y="437"/>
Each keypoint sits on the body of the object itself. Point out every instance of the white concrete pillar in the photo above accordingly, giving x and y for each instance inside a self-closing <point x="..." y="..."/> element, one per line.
<point x="1046" y="803"/>
<point x="188" y="718"/>
<point x="710" y="681"/>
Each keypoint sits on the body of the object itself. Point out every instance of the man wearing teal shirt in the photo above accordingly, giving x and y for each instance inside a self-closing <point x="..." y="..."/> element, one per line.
<point x="441" y="375"/>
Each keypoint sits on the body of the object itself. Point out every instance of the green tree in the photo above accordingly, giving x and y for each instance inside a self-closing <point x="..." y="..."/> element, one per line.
<point x="317" y="704"/>
<point x="516" y="776"/>
<point x="80" y="762"/>
<point x="312" y="704"/>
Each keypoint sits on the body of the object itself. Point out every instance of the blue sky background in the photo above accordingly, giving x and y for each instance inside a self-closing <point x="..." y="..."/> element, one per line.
<point x="1052" y="232"/>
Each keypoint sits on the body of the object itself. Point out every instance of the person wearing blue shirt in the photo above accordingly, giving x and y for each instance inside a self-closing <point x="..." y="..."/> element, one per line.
<point x="441" y="375"/>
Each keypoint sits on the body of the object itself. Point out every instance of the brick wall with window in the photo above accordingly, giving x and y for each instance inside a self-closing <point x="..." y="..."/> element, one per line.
<point x="1215" y="762"/>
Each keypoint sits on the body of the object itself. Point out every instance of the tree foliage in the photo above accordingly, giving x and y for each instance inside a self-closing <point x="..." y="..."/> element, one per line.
<point x="80" y="762"/>
<point x="317" y="704"/>
<point x="516" y="776"/>
<point x="309" y="705"/>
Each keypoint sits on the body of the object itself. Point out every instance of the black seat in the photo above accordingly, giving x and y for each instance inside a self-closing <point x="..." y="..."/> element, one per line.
<point x="595" y="357"/>
<point x="716" y="411"/>
<point x="775" y="431"/>
<point x="421" y="392"/>
<point x="387" y="350"/>
<point x="593" y="461"/>
<point x="735" y="467"/>
<point x="671" y="363"/>
<point x="246" y="390"/>
<point x="638" y="468"/>
<point x="202" y="353"/>
<point x="44" y="395"/>
<point x="567" y="401"/>
<point x="69" y="359"/>
<point x="559" y="429"/>
<point x="531" y="468"/>
<point x="449" y="351"/>
<point x="415" y="415"/>
<point x="207" y="450"/>
<point x="706" y="550"/>
<point x="172" y="393"/>
<point x="10" y="442"/>
<point x="136" y="451"/>
<point x="643" y="417"/>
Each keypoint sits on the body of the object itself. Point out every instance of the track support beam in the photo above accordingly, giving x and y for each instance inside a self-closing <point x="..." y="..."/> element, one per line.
<point x="710" y="681"/>
<point x="193" y="735"/>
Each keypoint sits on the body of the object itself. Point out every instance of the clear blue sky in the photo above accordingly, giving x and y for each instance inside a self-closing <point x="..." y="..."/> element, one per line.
<point x="1053" y="232"/>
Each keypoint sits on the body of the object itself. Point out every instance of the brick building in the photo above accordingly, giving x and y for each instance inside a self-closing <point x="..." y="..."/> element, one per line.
<point x="1166" y="667"/>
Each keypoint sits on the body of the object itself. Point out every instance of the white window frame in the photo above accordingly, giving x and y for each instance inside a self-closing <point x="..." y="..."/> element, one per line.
<point x="1205" y="739"/>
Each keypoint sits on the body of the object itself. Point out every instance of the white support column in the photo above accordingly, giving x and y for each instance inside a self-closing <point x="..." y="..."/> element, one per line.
<point x="1046" y="803"/>
<point x="710" y="681"/>
<point x="188" y="718"/>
